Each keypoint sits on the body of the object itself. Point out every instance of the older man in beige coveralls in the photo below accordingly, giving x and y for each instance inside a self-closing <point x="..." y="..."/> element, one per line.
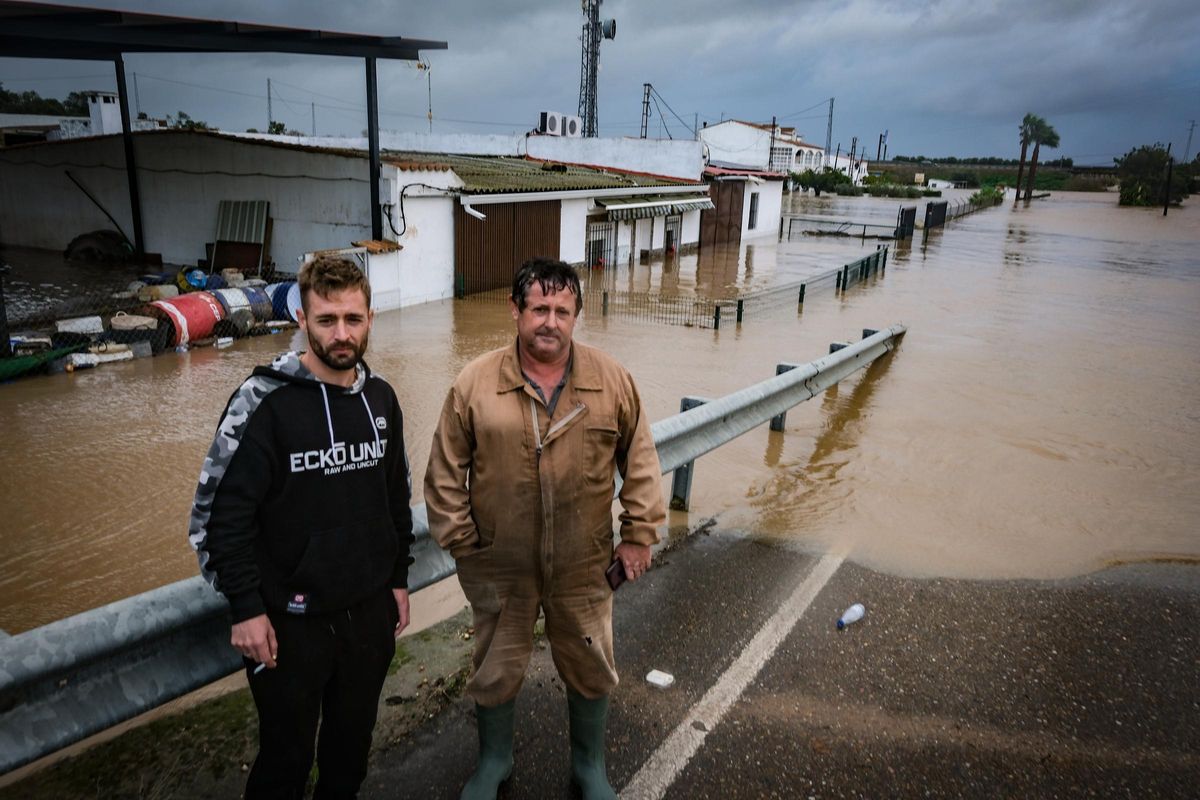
<point x="519" y="489"/>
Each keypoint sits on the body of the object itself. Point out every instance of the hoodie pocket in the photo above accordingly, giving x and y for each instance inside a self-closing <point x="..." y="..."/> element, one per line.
<point x="344" y="564"/>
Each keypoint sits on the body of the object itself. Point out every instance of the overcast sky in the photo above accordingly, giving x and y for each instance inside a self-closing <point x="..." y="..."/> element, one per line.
<point x="943" y="77"/>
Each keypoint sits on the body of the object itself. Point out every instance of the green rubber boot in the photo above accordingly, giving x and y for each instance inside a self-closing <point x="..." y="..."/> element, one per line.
<point x="588" y="719"/>
<point x="495" y="752"/>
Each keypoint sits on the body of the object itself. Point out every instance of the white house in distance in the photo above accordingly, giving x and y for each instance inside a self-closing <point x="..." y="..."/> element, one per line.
<point x="778" y="149"/>
<point x="104" y="117"/>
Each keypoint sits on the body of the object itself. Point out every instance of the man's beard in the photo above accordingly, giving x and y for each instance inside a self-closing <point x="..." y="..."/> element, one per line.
<point x="339" y="361"/>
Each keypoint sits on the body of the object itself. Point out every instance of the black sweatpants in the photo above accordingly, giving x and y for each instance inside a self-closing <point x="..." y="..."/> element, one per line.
<point x="332" y="667"/>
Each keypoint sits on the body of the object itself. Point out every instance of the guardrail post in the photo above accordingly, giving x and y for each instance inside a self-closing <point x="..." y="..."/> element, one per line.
<point x="739" y="310"/>
<point x="800" y="302"/>
<point x="5" y="345"/>
<point x="681" y="481"/>
<point x="779" y="421"/>
<point x="604" y="304"/>
<point x="883" y="265"/>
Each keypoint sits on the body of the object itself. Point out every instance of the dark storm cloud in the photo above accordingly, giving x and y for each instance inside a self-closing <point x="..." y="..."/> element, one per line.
<point x="943" y="77"/>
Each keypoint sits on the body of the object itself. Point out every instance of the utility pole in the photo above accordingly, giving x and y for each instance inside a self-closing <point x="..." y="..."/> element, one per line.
<point x="879" y="148"/>
<point x="270" y="117"/>
<point x="1167" y="188"/>
<point x="314" y="118"/>
<point x="1187" y="149"/>
<point x="829" y="132"/>
<point x="695" y="126"/>
<point x="645" y="108"/>
<point x="771" y="149"/>
<point x="594" y="29"/>
<point x="137" y="101"/>
<point x="429" y="88"/>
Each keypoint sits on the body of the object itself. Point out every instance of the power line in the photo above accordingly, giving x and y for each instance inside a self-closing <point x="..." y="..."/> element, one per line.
<point x="668" y="105"/>
<point x="810" y="108"/>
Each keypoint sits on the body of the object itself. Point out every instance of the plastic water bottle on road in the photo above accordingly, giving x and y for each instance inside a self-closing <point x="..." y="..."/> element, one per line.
<point x="851" y="615"/>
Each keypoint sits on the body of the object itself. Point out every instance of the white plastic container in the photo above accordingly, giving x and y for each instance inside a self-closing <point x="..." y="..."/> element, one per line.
<point x="659" y="679"/>
<point x="851" y="615"/>
<point x="80" y="325"/>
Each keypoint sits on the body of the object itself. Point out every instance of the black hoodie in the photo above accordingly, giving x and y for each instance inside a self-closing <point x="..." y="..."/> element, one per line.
<point x="303" y="501"/>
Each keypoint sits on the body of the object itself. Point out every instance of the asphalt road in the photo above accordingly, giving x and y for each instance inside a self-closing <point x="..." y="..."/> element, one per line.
<point x="947" y="688"/>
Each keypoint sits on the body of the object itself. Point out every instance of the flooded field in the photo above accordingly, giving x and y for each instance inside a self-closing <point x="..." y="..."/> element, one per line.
<point x="1039" y="419"/>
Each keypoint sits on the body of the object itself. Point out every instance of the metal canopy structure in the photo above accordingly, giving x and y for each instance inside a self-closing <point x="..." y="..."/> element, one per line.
<point x="43" y="30"/>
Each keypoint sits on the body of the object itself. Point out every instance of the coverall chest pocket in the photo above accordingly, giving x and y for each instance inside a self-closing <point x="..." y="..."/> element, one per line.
<point x="600" y="450"/>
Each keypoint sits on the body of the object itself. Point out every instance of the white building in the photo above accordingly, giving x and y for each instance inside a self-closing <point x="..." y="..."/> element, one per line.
<point x="463" y="222"/>
<point x="104" y="118"/>
<point x="778" y="149"/>
<point x="748" y="204"/>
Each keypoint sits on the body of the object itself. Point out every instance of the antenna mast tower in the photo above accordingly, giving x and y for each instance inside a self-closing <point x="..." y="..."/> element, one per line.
<point x="594" y="29"/>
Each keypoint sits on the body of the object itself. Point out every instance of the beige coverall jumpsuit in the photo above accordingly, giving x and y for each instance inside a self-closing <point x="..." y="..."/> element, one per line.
<point x="531" y="527"/>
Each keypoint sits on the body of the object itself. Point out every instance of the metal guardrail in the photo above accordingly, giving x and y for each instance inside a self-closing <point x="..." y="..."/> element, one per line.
<point x="67" y="680"/>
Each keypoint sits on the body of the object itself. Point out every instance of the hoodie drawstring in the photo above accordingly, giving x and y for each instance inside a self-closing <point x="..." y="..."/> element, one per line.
<point x="328" y="416"/>
<point x="371" y="419"/>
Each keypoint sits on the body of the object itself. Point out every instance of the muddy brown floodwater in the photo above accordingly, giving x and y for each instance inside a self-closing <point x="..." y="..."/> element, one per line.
<point x="1040" y="418"/>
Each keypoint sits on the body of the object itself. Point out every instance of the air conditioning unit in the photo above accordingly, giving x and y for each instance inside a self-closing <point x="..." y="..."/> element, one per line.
<point x="550" y="123"/>
<point x="572" y="126"/>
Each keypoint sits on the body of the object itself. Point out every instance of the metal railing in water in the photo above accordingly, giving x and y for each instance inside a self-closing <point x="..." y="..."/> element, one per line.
<point x="704" y="312"/>
<point x="65" y="681"/>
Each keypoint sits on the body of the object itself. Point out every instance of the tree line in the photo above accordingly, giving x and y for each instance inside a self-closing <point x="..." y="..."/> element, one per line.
<point x="981" y="161"/>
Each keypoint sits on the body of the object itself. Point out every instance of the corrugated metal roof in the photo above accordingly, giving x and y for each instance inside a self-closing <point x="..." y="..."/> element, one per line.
<point x="486" y="174"/>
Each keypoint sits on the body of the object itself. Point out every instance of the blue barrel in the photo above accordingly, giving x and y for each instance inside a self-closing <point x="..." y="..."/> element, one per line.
<point x="279" y="298"/>
<point x="260" y="303"/>
<point x="293" y="302"/>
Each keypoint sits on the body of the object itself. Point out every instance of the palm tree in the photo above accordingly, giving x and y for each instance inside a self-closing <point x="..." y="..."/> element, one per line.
<point x="1043" y="134"/>
<point x="1028" y="125"/>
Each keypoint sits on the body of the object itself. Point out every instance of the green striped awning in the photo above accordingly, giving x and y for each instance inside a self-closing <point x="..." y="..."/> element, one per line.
<point x="643" y="206"/>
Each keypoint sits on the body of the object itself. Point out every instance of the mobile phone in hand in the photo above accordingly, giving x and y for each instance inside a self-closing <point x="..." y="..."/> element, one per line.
<point x="615" y="574"/>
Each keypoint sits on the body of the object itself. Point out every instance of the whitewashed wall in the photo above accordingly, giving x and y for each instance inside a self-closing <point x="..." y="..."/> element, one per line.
<point x="691" y="228"/>
<point x="573" y="231"/>
<point x="770" y="208"/>
<point x="318" y="200"/>
<point x="674" y="158"/>
<point x="736" y="143"/>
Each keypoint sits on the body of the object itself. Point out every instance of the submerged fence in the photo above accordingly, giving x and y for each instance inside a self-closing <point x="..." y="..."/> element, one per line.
<point x="76" y="677"/>
<point x="712" y="313"/>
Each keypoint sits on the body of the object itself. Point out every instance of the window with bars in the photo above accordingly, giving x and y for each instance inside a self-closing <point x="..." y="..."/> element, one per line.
<point x="672" y="233"/>
<point x="781" y="158"/>
<point x="753" y="212"/>
<point x="601" y="244"/>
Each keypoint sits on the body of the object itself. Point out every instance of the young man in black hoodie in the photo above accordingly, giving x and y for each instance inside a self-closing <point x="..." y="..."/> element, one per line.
<point x="302" y="520"/>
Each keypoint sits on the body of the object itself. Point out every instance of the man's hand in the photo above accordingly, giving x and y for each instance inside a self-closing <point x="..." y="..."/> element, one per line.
<point x="402" y="606"/>
<point x="255" y="639"/>
<point x="635" y="557"/>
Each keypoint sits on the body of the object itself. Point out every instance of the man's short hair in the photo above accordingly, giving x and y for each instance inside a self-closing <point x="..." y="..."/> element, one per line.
<point x="550" y="274"/>
<point x="328" y="274"/>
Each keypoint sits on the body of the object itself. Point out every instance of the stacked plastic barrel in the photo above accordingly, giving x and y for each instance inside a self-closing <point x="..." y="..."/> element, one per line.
<point x="228" y="311"/>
